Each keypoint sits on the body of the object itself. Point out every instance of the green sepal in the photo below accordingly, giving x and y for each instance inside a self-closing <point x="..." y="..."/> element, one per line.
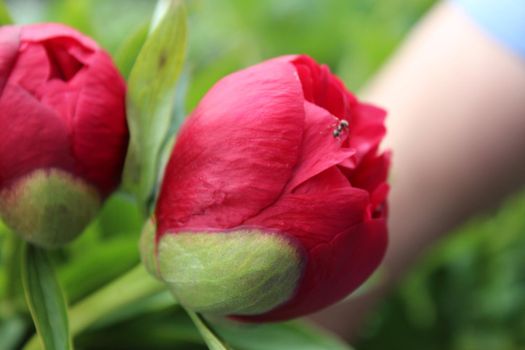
<point x="49" y="207"/>
<point x="245" y="272"/>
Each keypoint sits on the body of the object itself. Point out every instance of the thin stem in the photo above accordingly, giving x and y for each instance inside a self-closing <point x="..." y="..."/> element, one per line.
<point x="209" y="335"/>
<point x="128" y="289"/>
<point x="135" y="285"/>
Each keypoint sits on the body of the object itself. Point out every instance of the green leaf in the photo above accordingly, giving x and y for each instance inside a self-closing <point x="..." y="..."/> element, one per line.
<point x="45" y="299"/>
<point x="150" y="100"/>
<point x="127" y="52"/>
<point x="5" y="17"/>
<point x="288" y="335"/>
<point x="212" y="339"/>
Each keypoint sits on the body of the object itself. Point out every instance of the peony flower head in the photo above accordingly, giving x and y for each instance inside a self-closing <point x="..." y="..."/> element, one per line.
<point x="273" y="204"/>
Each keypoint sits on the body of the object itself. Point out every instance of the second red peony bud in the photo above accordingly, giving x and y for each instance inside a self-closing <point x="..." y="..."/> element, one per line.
<point x="63" y="131"/>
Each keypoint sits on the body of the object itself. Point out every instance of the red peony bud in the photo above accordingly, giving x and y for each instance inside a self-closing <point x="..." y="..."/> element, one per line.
<point x="63" y="132"/>
<point x="273" y="203"/>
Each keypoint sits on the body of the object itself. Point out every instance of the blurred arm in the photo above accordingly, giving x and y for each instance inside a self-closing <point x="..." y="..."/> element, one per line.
<point x="456" y="103"/>
<point x="456" y="99"/>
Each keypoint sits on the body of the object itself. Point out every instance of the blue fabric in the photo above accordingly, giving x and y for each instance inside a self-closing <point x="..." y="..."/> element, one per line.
<point x="504" y="19"/>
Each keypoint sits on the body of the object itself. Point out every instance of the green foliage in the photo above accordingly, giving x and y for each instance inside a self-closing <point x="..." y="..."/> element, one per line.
<point x="5" y="17"/>
<point x="76" y="13"/>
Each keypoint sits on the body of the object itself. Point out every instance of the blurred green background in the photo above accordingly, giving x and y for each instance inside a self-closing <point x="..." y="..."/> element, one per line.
<point x="467" y="293"/>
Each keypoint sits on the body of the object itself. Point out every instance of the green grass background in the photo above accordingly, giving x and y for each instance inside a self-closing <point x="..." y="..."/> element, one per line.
<point x="467" y="293"/>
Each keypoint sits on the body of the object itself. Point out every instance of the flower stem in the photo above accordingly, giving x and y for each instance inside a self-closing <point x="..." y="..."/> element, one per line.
<point x="128" y="289"/>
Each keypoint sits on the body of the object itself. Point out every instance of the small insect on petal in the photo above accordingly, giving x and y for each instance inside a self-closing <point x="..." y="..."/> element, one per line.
<point x="343" y="124"/>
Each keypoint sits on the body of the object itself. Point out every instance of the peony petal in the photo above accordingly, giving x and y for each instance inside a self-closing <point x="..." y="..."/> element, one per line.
<point x="327" y="91"/>
<point x="99" y="121"/>
<point x="55" y="58"/>
<point x="334" y="270"/>
<point x="320" y="149"/>
<point x="331" y="95"/>
<point x="372" y="171"/>
<point x="330" y="179"/>
<point x="61" y="97"/>
<point x="314" y="218"/>
<point x="371" y="175"/>
<point x="367" y="128"/>
<point x="323" y="88"/>
<point x="9" y="44"/>
<point x="378" y="202"/>
<point x="308" y="74"/>
<point x="33" y="136"/>
<point x="241" y="142"/>
<point x="46" y="31"/>
<point x="63" y="64"/>
<point x="32" y="69"/>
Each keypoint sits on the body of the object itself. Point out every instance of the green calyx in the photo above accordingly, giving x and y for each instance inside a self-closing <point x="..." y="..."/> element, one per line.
<point x="49" y="207"/>
<point x="244" y="272"/>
